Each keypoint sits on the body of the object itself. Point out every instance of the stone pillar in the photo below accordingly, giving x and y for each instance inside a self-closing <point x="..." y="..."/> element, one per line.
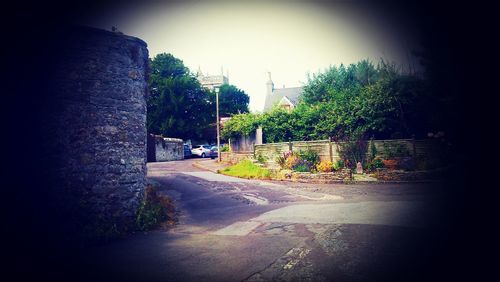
<point x="258" y="136"/>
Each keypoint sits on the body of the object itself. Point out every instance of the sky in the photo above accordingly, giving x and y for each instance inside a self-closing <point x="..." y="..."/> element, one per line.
<point x="248" y="39"/>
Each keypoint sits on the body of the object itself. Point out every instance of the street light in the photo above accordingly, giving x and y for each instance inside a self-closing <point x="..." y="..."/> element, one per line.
<point x="218" y="123"/>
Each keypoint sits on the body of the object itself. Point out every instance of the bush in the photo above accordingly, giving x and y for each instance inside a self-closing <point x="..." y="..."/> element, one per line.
<point x="353" y="151"/>
<point x="325" y="166"/>
<point x="310" y="156"/>
<point x="339" y="164"/>
<point x="302" y="167"/>
<point x="374" y="164"/>
<point x="225" y="148"/>
<point x="281" y="160"/>
<point x="291" y="161"/>
<point x="154" y="209"/>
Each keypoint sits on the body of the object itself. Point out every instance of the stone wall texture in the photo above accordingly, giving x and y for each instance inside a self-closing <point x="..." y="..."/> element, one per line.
<point x="234" y="158"/>
<point x="161" y="149"/>
<point x="97" y="129"/>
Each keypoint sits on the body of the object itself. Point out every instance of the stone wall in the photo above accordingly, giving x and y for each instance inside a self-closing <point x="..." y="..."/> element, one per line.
<point x="234" y="158"/>
<point x="161" y="149"/>
<point x="342" y="175"/>
<point x="95" y="134"/>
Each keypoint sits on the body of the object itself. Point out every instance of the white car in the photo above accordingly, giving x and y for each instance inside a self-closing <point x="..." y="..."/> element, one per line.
<point x="201" y="150"/>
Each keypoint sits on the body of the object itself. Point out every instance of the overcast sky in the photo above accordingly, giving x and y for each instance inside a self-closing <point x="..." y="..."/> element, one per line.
<point x="287" y="38"/>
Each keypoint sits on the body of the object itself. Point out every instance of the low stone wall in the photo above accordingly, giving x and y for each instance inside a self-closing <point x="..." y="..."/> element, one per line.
<point x="401" y="175"/>
<point x="234" y="158"/>
<point x="324" y="177"/>
<point x="161" y="149"/>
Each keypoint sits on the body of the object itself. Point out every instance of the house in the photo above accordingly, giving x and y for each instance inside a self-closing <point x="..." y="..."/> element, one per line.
<point x="286" y="98"/>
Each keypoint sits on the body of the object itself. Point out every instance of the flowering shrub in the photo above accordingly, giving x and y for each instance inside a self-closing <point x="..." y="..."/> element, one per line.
<point x="310" y="156"/>
<point x="281" y="160"/>
<point x="291" y="161"/>
<point x="325" y="166"/>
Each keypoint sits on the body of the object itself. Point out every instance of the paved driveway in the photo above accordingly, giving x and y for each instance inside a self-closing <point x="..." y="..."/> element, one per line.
<point x="233" y="229"/>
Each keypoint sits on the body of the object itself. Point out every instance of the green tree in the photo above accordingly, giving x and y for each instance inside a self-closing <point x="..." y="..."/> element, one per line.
<point x="177" y="105"/>
<point x="232" y="100"/>
<point x="355" y="102"/>
<point x="240" y="125"/>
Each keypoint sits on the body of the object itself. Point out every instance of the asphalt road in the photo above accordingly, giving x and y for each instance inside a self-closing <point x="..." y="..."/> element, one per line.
<point x="233" y="229"/>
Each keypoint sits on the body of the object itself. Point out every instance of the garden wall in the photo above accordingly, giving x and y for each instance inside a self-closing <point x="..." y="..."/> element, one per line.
<point x="423" y="149"/>
<point x="234" y="158"/>
<point x="161" y="149"/>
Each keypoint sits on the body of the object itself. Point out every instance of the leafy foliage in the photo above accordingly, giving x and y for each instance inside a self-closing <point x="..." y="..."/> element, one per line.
<point x="240" y="125"/>
<point x="361" y="99"/>
<point x="353" y="150"/>
<point x="232" y="100"/>
<point x="325" y="166"/>
<point x="310" y="156"/>
<point x="153" y="210"/>
<point x="339" y="164"/>
<point x="291" y="161"/>
<point x="177" y="105"/>
<point x="302" y="167"/>
<point x="374" y="164"/>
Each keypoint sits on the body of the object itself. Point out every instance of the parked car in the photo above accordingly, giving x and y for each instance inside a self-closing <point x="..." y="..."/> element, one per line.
<point x="201" y="150"/>
<point x="187" y="151"/>
<point x="214" y="153"/>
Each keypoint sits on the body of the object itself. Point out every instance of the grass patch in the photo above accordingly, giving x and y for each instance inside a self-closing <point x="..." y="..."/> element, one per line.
<point x="247" y="169"/>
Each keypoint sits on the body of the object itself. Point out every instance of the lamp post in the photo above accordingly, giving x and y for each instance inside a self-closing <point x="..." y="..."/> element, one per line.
<point x="218" y="123"/>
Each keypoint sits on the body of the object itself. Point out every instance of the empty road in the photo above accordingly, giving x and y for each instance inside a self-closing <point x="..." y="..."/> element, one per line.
<point x="233" y="229"/>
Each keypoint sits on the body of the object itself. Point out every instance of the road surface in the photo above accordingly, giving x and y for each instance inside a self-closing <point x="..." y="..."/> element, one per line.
<point x="233" y="229"/>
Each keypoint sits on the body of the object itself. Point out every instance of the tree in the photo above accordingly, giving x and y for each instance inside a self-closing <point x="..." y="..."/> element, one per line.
<point x="357" y="102"/>
<point x="232" y="100"/>
<point x="177" y="105"/>
<point x="240" y="125"/>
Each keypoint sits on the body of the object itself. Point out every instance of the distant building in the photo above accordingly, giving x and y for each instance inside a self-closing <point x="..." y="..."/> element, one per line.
<point x="211" y="81"/>
<point x="286" y="98"/>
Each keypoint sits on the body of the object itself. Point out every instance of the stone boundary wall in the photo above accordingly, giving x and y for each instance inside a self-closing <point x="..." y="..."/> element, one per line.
<point x="329" y="150"/>
<point x="342" y="175"/>
<point x="163" y="149"/>
<point x="234" y="158"/>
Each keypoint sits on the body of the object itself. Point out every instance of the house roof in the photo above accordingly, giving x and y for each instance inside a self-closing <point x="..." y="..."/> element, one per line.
<point x="292" y="94"/>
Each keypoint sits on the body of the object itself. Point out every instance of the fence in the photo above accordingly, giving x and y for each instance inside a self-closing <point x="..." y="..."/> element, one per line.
<point x="327" y="150"/>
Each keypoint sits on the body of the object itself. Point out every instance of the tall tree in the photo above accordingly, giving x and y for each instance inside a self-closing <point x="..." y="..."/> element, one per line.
<point x="232" y="100"/>
<point x="177" y="105"/>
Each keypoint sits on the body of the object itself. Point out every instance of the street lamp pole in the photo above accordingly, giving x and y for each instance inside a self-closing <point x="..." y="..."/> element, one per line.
<point x="218" y="123"/>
